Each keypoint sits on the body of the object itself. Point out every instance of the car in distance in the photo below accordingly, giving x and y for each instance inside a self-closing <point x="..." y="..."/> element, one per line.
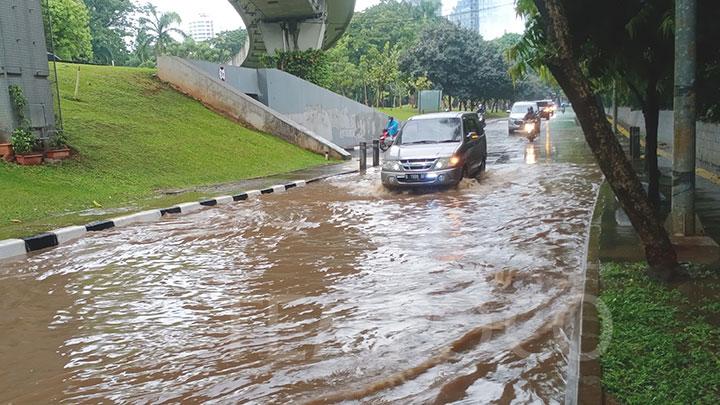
<point x="436" y="150"/>
<point x="546" y="108"/>
<point x="517" y="112"/>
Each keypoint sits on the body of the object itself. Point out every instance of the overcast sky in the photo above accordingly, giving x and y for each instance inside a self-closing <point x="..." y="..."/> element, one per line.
<point x="226" y="18"/>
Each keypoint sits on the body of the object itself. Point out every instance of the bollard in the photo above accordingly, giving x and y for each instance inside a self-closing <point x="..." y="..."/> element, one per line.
<point x="635" y="142"/>
<point x="376" y="153"/>
<point x="363" y="156"/>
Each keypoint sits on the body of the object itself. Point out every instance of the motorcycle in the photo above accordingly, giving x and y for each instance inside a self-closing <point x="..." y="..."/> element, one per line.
<point x="386" y="140"/>
<point x="532" y="129"/>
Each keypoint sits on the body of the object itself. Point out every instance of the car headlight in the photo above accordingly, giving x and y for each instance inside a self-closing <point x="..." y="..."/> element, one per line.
<point x="393" y="165"/>
<point x="447" y="162"/>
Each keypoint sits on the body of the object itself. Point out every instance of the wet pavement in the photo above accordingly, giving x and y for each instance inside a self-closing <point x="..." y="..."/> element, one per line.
<point x="619" y="241"/>
<point x="341" y="291"/>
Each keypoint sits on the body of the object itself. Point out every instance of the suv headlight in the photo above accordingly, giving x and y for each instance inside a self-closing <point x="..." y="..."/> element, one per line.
<point x="447" y="162"/>
<point x="393" y="165"/>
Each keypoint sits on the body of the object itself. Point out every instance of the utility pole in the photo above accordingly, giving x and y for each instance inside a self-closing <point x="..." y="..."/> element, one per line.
<point x="683" y="175"/>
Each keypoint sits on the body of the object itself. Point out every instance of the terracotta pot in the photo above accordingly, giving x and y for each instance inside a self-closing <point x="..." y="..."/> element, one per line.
<point x="58" y="153"/>
<point x="6" y="149"/>
<point x="30" y="160"/>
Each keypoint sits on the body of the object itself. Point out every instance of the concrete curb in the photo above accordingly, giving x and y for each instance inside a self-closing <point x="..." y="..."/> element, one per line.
<point x="12" y="248"/>
<point x="584" y="372"/>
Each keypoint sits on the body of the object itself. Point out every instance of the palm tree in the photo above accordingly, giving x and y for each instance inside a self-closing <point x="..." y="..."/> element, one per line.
<point x="158" y="27"/>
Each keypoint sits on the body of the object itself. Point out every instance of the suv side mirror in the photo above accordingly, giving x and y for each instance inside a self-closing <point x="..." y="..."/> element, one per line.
<point x="507" y="111"/>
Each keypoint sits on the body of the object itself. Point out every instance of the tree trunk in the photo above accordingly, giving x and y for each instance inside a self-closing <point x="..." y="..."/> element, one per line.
<point x="365" y="91"/>
<point x="651" y="112"/>
<point x="608" y="153"/>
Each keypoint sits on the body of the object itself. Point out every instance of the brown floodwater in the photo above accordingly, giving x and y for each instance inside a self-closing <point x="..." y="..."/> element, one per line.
<point x="341" y="291"/>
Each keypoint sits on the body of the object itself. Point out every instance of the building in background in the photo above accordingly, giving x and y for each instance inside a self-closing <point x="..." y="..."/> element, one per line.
<point x="489" y="18"/>
<point x="436" y="3"/>
<point x="201" y="29"/>
<point x="466" y="14"/>
<point x="24" y="63"/>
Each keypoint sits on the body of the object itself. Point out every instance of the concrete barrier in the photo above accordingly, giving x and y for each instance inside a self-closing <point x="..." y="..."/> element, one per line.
<point x="222" y="97"/>
<point x="707" y="134"/>
<point x="145" y="216"/>
<point x="69" y="233"/>
<point x="225" y="199"/>
<point x="11" y="248"/>
<point x="338" y="119"/>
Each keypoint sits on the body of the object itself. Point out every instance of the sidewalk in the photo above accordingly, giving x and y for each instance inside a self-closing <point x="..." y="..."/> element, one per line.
<point x="707" y="185"/>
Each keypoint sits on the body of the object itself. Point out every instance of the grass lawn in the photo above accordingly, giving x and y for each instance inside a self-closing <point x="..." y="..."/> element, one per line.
<point x="664" y="341"/>
<point x="407" y="111"/>
<point x="497" y="114"/>
<point x="400" y="113"/>
<point x="134" y="135"/>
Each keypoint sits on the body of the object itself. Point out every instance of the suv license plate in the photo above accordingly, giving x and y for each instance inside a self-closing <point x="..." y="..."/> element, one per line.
<point x="415" y="176"/>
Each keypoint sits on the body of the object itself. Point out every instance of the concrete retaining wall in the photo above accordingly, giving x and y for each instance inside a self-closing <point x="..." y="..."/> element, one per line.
<point x="708" y="135"/>
<point x="243" y="79"/>
<point x="338" y="119"/>
<point x="221" y="96"/>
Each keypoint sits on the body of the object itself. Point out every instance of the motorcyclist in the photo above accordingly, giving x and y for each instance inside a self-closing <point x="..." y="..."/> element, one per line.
<point x="530" y="116"/>
<point x="533" y="117"/>
<point x="392" y="127"/>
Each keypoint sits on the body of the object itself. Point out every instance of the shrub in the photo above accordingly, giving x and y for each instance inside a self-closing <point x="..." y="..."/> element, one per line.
<point x="23" y="141"/>
<point x="60" y="140"/>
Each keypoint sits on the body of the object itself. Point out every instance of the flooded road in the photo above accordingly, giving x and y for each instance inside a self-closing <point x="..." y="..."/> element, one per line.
<point x="340" y="291"/>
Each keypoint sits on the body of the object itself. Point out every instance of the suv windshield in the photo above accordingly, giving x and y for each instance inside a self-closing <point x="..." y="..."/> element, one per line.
<point x="522" y="108"/>
<point x="431" y="131"/>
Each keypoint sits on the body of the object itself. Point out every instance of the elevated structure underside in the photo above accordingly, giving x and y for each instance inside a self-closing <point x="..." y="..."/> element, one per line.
<point x="288" y="25"/>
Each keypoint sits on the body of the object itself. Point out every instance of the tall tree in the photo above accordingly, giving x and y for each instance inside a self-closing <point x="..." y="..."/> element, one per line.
<point x="391" y="21"/>
<point x="228" y="44"/>
<point x="310" y="65"/>
<point x="555" y="49"/>
<point x="110" y="24"/>
<point x="70" y="29"/>
<point x="158" y="27"/>
<point x="460" y="63"/>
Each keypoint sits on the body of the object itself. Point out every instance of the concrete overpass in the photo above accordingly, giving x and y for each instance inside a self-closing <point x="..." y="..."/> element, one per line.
<point x="289" y="25"/>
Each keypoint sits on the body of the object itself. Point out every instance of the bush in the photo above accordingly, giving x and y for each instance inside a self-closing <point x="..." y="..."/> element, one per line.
<point x="23" y="141"/>
<point x="60" y="140"/>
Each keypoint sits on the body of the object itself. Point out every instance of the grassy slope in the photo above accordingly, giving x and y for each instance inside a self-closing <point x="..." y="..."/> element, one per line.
<point x="400" y="113"/>
<point x="135" y="135"/>
<point x="663" y="347"/>
<point x="405" y="112"/>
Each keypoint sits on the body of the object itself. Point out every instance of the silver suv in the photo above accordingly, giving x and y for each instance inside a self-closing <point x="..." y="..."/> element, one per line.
<point x="436" y="150"/>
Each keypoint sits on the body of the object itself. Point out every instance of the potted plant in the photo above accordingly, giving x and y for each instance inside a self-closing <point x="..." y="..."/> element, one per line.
<point x="6" y="150"/>
<point x="58" y="146"/>
<point x="23" y="142"/>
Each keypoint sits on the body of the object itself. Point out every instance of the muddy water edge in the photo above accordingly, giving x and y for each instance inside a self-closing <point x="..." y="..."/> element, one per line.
<point x="337" y="292"/>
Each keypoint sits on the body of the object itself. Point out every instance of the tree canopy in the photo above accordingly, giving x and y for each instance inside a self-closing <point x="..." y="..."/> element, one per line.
<point x="70" y="22"/>
<point x="110" y="23"/>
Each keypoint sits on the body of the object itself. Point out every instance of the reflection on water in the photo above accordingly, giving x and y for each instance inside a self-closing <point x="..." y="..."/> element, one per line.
<point x="530" y="154"/>
<point x="338" y="291"/>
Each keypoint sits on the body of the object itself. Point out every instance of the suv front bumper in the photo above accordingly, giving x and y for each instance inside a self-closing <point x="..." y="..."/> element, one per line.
<point x="445" y="177"/>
